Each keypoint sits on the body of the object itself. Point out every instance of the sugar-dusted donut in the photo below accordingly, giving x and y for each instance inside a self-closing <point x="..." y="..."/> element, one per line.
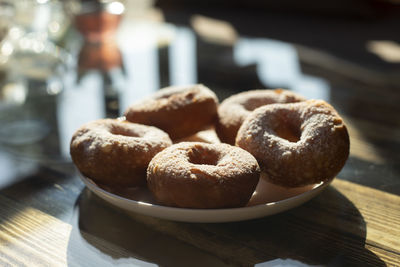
<point x="178" y="110"/>
<point x="116" y="153"/>
<point x="201" y="175"/>
<point x="207" y="135"/>
<point x="234" y="109"/>
<point x="298" y="143"/>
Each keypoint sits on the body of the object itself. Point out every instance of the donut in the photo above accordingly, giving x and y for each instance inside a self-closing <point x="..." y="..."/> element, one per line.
<point x="178" y="110"/>
<point x="234" y="109"/>
<point x="296" y="144"/>
<point x="203" y="176"/>
<point x="207" y="135"/>
<point x="116" y="153"/>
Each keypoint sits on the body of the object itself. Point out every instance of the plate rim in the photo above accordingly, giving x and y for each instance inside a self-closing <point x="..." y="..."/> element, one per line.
<point x="223" y="215"/>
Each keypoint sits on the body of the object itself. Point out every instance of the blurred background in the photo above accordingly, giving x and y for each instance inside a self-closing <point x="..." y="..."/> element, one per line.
<point x="64" y="63"/>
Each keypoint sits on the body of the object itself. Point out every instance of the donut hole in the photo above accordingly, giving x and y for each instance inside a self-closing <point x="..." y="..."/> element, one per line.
<point x="118" y="130"/>
<point x="203" y="156"/>
<point x="290" y="134"/>
<point x="288" y="130"/>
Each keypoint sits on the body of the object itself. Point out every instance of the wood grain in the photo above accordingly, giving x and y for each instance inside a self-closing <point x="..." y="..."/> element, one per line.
<point x="348" y="224"/>
<point x="343" y="224"/>
<point x="364" y="141"/>
<point x="30" y="237"/>
<point x="380" y="210"/>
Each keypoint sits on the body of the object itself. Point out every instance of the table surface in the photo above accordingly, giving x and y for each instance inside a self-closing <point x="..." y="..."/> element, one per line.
<point x="49" y="218"/>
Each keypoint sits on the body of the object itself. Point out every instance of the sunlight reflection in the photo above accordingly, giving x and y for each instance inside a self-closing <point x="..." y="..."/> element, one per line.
<point x="13" y="171"/>
<point x="388" y="51"/>
<point x="182" y="58"/>
<point x="78" y="104"/>
<point x="312" y="87"/>
<point x="217" y="31"/>
<point x="116" y="8"/>
<point x="278" y="66"/>
<point x="142" y="75"/>
<point x="139" y="44"/>
<point x="33" y="237"/>
<point x="283" y="263"/>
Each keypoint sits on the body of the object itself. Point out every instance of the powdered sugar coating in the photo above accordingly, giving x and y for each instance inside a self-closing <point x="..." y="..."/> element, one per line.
<point x="201" y="175"/>
<point x="116" y="152"/>
<point x="178" y="110"/>
<point x="234" y="110"/>
<point x="296" y="144"/>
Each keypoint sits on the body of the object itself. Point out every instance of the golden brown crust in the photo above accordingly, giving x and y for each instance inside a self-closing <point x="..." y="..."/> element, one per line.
<point x="296" y="144"/>
<point x="234" y="110"/>
<point x="116" y="153"/>
<point x="179" y="111"/>
<point x="201" y="175"/>
<point x="207" y="135"/>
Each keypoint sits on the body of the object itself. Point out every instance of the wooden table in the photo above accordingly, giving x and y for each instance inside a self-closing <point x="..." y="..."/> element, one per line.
<point x="347" y="225"/>
<point x="48" y="217"/>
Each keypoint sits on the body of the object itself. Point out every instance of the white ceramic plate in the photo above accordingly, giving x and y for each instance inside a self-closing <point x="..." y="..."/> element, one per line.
<point x="268" y="199"/>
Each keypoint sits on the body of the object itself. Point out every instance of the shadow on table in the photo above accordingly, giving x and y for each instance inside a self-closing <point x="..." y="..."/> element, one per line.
<point x="328" y="230"/>
<point x="108" y="236"/>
